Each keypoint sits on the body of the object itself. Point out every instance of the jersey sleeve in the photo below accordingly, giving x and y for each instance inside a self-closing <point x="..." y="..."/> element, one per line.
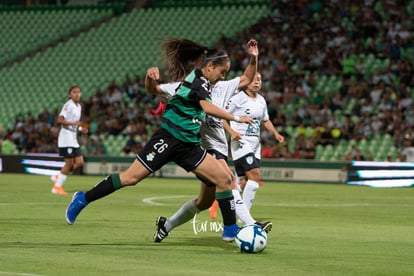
<point x="200" y="90"/>
<point x="230" y="87"/>
<point x="169" y="89"/>
<point x="65" y="110"/>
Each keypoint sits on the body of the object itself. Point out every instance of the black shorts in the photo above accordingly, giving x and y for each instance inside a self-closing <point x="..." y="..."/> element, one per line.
<point x="163" y="148"/>
<point x="216" y="154"/>
<point x="246" y="163"/>
<point x="69" y="152"/>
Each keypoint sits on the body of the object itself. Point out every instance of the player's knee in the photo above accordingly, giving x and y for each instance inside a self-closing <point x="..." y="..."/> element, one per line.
<point x="203" y="204"/>
<point x="225" y="181"/>
<point x="77" y="165"/>
<point x="254" y="175"/>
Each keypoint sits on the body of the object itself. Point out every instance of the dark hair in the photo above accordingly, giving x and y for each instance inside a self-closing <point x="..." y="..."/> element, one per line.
<point x="217" y="57"/>
<point x="73" y="87"/>
<point x="183" y="55"/>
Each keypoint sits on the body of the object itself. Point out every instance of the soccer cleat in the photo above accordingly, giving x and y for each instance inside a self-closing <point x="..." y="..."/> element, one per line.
<point x="161" y="232"/>
<point x="58" y="190"/>
<point x="266" y="226"/>
<point x="213" y="210"/>
<point x="230" y="232"/>
<point x="75" y="207"/>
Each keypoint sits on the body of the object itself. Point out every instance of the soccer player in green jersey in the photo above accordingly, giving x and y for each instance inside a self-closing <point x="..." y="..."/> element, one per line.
<point x="178" y="139"/>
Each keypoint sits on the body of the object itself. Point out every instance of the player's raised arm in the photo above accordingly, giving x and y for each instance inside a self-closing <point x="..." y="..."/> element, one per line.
<point x="248" y="75"/>
<point x="151" y="84"/>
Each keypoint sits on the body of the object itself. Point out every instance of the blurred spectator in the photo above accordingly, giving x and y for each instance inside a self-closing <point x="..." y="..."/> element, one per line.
<point x="350" y="155"/>
<point x="324" y="136"/>
<point x="130" y="145"/>
<point x="365" y="46"/>
<point x="267" y="151"/>
<point x="284" y="152"/>
<point x="100" y="148"/>
<point x="93" y="147"/>
<point x="368" y="156"/>
<point x="307" y="149"/>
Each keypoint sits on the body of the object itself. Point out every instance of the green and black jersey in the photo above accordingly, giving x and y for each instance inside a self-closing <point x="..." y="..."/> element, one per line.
<point x="183" y="115"/>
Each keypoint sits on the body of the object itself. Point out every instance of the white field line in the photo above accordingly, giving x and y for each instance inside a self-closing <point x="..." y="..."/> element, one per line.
<point x="17" y="273"/>
<point x="153" y="200"/>
<point x="156" y="201"/>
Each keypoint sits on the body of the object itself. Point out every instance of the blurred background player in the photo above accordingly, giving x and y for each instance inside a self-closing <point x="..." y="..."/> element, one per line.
<point x="69" y="148"/>
<point x="213" y="139"/>
<point x="245" y="139"/>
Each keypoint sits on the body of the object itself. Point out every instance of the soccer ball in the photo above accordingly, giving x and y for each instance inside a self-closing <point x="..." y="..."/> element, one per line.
<point x="251" y="239"/>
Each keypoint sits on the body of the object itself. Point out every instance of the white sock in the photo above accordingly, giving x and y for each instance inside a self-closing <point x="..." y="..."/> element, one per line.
<point x="61" y="178"/>
<point x="241" y="210"/>
<point x="237" y="179"/>
<point x="184" y="214"/>
<point x="249" y="193"/>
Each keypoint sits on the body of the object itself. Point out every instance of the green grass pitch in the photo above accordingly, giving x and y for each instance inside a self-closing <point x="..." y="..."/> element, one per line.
<point x="318" y="229"/>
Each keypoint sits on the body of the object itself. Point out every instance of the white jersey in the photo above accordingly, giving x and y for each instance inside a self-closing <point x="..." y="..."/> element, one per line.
<point x="212" y="132"/>
<point x="68" y="134"/>
<point x="256" y="108"/>
<point x="169" y="89"/>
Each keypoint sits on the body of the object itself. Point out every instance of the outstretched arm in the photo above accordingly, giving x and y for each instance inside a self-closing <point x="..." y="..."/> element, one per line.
<point x="215" y="111"/>
<point x="251" y="69"/>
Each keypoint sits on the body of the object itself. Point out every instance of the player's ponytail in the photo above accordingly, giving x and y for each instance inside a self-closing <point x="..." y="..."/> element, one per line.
<point x="183" y="56"/>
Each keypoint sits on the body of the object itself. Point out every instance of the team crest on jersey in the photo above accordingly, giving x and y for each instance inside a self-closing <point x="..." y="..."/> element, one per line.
<point x="247" y="111"/>
<point x="249" y="160"/>
<point x="70" y="150"/>
<point x="196" y="121"/>
<point x="150" y="156"/>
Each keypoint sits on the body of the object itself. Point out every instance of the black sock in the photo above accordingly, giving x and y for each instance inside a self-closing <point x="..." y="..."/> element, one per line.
<point x="107" y="186"/>
<point x="227" y="207"/>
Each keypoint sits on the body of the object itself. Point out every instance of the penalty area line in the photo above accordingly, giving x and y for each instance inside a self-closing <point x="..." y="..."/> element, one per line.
<point x="155" y="200"/>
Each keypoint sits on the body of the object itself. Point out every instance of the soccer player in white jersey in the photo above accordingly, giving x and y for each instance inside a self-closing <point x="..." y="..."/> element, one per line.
<point x="245" y="140"/>
<point x="213" y="139"/>
<point x="69" y="148"/>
